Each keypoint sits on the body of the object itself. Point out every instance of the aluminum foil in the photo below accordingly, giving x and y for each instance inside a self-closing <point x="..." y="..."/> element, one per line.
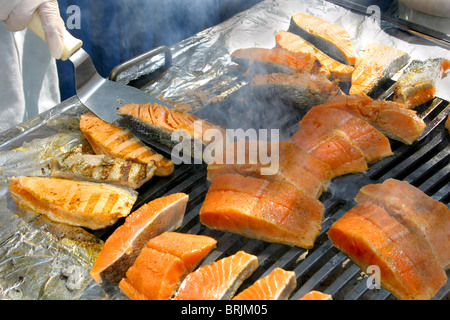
<point x="43" y="260"/>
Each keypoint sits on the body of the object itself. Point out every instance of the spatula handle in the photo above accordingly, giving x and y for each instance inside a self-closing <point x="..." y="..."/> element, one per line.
<point x="70" y="43"/>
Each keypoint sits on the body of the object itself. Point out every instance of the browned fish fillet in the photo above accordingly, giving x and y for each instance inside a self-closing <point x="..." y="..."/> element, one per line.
<point x="85" y="204"/>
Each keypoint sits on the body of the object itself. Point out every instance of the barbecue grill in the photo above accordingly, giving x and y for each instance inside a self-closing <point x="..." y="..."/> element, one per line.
<point x="425" y="164"/>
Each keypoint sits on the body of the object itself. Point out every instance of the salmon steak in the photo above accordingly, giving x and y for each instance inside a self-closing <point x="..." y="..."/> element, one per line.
<point x="101" y="168"/>
<point x="372" y="237"/>
<point x="271" y="211"/>
<point x="316" y="295"/>
<point x="377" y="63"/>
<point x="275" y="60"/>
<point x="123" y="246"/>
<point x="160" y="123"/>
<point x="373" y="144"/>
<point x="219" y="280"/>
<point x="331" y="68"/>
<point x="326" y="36"/>
<point x="163" y="263"/>
<point x="392" y="119"/>
<point x="277" y="285"/>
<point x="77" y="203"/>
<point x="422" y="214"/>
<point x="106" y="138"/>
<point x="418" y="83"/>
<point x="302" y="90"/>
<point x="332" y="147"/>
<point x="290" y="163"/>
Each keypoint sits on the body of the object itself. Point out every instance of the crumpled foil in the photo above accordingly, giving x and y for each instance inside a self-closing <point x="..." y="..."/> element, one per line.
<point x="40" y="259"/>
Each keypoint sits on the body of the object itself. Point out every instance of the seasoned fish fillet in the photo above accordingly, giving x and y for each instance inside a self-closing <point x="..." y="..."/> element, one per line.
<point x="271" y="211"/>
<point x="124" y="244"/>
<point x="328" y="37"/>
<point x="303" y="89"/>
<point x="377" y="63"/>
<point x="370" y="236"/>
<point x="106" y="138"/>
<point x="78" y="203"/>
<point x="163" y="263"/>
<point x="390" y="118"/>
<point x="275" y="60"/>
<point x="422" y="214"/>
<point x="159" y="123"/>
<point x="101" y="168"/>
<point x="277" y="285"/>
<point x="330" y="67"/>
<point x="418" y="83"/>
<point x="219" y="280"/>
<point x="291" y="164"/>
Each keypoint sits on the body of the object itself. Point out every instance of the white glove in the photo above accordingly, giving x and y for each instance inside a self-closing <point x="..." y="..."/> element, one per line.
<point x="17" y="14"/>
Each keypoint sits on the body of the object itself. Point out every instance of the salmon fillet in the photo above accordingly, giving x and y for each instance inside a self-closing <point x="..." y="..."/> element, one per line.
<point x="370" y="236"/>
<point x="267" y="210"/>
<point x="293" y="165"/>
<point x="373" y="144"/>
<point x="422" y="214"/>
<point x="123" y="246"/>
<point x="331" y="67"/>
<point x="219" y="280"/>
<point x="316" y="295"/>
<point x="163" y="263"/>
<point x="78" y="203"/>
<point x="377" y="63"/>
<point x="328" y="37"/>
<point x="275" y="60"/>
<point x="391" y="118"/>
<point x="106" y="138"/>
<point x="277" y="285"/>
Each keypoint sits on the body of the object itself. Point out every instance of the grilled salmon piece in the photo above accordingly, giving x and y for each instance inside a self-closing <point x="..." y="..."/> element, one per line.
<point x="219" y="280"/>
<point x="328" y="37"/>
<point x="275" y="60"/>
<point x="277" y="285"/>
<point x="290" y="163"/>
<point x="267" y="210"/>
<point x="303" y="89"/>
<point x="316" y="295"/>
<point x="391" y="118"/>
<point x="331" y="67"/>
<point x="330" y="146"/>
<point x="163" y="263"/>
<point x="370" y="236"/>
<point x="160" y="123"/>
<point x="422" y="214"/>
<point x="106" y="138"/>
<point x="372" y="143"/>
<point x="378" y="63"/>
<point x="78" y="203"/>
<point x="447" y="123"/>
<point x="418" y="83"/>
<point x="123" y="246"/>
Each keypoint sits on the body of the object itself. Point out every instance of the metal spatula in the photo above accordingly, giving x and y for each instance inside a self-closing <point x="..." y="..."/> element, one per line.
<point x="103" y="97"/>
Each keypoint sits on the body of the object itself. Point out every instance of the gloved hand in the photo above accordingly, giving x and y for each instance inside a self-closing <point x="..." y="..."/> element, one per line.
<point x="17" y="14"/>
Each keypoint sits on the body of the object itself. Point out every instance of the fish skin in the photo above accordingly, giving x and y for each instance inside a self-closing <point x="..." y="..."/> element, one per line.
<point x="328" y="37"/>
<point x="219" y="280"/>
<point x="377" y="63"/>
<point x="277" y="285"/>
<point x="331" y="68"/>
<point x="123" y="246"/>
<point x="418" y="82"/>
<point x="106" y="138"/>
<point x="101" y="168"/>
<point x="370" y="236"/>
<point x="78" y="203"/>
<point x="303" y="90"/>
